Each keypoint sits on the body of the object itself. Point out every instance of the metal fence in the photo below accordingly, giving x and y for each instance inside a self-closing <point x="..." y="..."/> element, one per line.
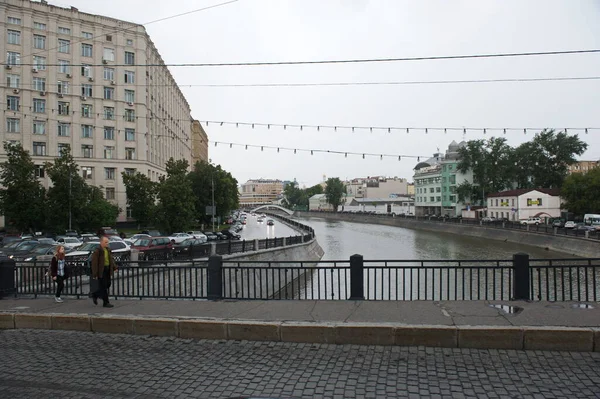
<point x="356" y="279"/>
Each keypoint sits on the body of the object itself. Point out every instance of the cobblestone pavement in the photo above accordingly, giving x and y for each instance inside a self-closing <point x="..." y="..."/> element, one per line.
<point x="53" y="364"/>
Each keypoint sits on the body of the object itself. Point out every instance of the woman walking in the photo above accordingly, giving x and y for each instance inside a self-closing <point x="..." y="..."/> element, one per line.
<point x="57" y="271"/>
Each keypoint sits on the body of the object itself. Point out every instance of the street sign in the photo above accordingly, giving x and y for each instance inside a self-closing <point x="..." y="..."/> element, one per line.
<point x="211" y="211"/>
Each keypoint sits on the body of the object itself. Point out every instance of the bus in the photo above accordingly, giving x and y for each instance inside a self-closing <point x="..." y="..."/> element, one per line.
<point x="591" y="219"/>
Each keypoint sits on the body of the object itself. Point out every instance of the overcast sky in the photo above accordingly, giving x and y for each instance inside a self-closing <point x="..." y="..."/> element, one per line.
<point x="293" y="30"/>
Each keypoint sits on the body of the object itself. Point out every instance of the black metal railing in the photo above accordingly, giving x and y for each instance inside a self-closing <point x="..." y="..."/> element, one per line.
<point x="519" y="278"/>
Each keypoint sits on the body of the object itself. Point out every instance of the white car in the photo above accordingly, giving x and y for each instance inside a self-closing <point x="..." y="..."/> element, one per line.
<point x="69" y="242"/>
<point x="570" y="224"/>
<point x="198" y="235"/>
<point x="118" y="249"/>
<point x="178" y="238"/>
<point x="534" y="220"/>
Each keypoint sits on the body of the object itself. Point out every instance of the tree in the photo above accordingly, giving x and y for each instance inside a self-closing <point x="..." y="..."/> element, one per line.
<point x="176" y="207"/>
<point x="99" y="212"/>
<point x="294" y="196"/>
<point x="581" y="192"/>
<point x="22" y="200"/>
<point x="141" y="197"/>
<point x="468" y="193"/>
<point x="334" y="192"/>
<point x="225" y="185"/>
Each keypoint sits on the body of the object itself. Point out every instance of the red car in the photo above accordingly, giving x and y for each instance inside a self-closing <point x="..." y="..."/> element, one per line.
<point x="153" y="248"/>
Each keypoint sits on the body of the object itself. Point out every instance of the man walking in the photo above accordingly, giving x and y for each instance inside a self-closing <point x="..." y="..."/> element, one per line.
<point x="103" y="268"/>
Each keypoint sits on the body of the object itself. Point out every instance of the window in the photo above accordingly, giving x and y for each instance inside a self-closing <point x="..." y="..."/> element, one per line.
<point x="109" y="133"/>
<point x="86" y="50"/>
<point x="445" y="189"/>
<point x="109" y="38"/>
<point x="39" y="127"/>
<point x="129" y="96"/>
<point x="87" y="35"/>
<point x="129" y="58"/>
<point x="130" y="171"/>
<point x="110" y="193"/>
<point x="64" y="66"/>
<point x="39" y="84"/>
<point x="39" y="105"/>
<point x="452" y="178"/>
<point x="87" y="171"/>
<point x="86" y="110"/>
<point x="109" y="93"/>
<point x="449" y="167"/>
<point x="39" y="62"/>
<point x="87" y="131"/>
<point x="13" y="81"/>
<point x="86" y="90"/>
<point x="431" y="199"/>
<point x="129" y="42"/>
<point x="39" y="171"/>
<point x="496" y="201"/>
<point x="431" y="189"/>
<point x="13" y="103"/>
<point x="108" y="54"/>
<point x="109" y="173"/>
<point x="64" y="31"/>
<point x="453" y="198"/>
<point x="64" y="46"/>
<point x="129" y="213"/>
<point x="63" y="108"/>
<point x="438" y="189"/>
<point x="109" y="73"/>
<point x="513" y="202"/>
<point x="13" y="58"/>
<point x="109" y="113"/>
<point x="64" y="129"/>
<point x="63" y="87"/>
<point x="13" y="125"/>
<point x="14" y="21"/>
<point x="14" y="37"/>
<point x="129" y="77"/>
<point x="130" y="153"/>
<point x="109" y="152"/>
<point x="39" y="26"/>
<point x="130" y="115"/>
<point x="87" y="151"/>
<point x="86" y="71"/>
<point x="438" y="199"/>
<point x="39" y="42"/>
<point x="129" y="135"/>
<point x="39" y="148"/>
<point x="63" y="148"/>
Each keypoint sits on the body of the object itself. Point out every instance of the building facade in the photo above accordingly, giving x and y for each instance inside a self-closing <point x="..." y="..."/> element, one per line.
<point x="397" y="205"/>
<point x="95" y="84"/>
<point x="428" y="186"/>
<point x="260" y="192"/>
<point x="376" y="187"/>
<point x="522" y="204"/>
<point x="318" y="202"/>
<point x="199" y="143"/>
<point x="451" y="179"/>
<point x="583" y="166"/>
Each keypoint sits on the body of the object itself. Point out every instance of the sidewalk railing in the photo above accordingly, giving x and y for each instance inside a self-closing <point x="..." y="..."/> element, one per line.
<point x="519" y="278"/>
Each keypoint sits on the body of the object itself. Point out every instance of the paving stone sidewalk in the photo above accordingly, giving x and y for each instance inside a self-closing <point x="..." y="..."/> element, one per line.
<point x="92" y="365"/>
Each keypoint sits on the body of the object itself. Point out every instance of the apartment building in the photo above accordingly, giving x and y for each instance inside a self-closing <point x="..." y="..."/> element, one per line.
<point x="260" y="192"/>
<point x="94" y="83"/>
<point x="583" y="166"/>
<point x="376" y="187"/>
<point x="199" y="143"/>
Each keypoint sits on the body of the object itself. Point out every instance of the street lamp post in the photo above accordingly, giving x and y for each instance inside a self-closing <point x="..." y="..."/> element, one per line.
<point x="212" y="180"/>
<point x="70" y="186"/>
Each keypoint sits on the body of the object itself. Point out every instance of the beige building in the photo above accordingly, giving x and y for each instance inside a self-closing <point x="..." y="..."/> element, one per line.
<point x="260" y="192"/>
<point x="583" y="166"/>
<point x="199" y="143"/>
<point x="410" y="189"/>
<point x="376" y="187"/>
<point x="94" y="83"/>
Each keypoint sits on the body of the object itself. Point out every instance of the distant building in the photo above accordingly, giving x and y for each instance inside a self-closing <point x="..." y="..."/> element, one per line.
<point x="318" y="202"/>
<point x="583" y="166"/>
<point x="397" y="205"/>
<point x="410" y="189"/>
<point x="524" y="203"/>
<point x="199" y="143"/>
<point x="376" y="187"/>
<point x="260" y="192"/>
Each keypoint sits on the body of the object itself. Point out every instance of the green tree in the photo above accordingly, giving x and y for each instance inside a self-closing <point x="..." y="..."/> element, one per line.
<point x="334" y="192"/>
<point x="543" y="162"/>
<point x="99" y="211"/>
<point x="225" y="187"/>
<point x="581" y="192"/>
<point x="316" y="189"/>
<point x="141" y="197"/>
<point x="175" y="210"/>
<point x="468" y="193"/>
<point x="22" y="200"/>
<point x="294" y="196"/>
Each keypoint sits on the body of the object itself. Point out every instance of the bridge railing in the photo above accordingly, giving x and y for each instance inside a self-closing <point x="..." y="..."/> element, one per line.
<point x="520" y="278"/>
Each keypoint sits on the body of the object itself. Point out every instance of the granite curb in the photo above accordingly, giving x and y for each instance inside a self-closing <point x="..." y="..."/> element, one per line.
<point x="581" y="339"/>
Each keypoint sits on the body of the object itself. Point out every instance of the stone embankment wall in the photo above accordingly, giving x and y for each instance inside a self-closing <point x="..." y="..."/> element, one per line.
<point x="569" y="245"/>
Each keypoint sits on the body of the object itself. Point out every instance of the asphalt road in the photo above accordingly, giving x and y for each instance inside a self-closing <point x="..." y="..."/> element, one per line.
<point x="55" y="364"/>
<point x="255" y="230"/>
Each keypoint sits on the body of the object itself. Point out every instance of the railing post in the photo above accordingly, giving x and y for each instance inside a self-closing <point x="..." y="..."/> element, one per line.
<point x="521" y="277"/>
<point x="256" y="246"/>
<point x="357" y="288"/>
<point x="213" y="248"/>
<point x="7" y="278"/>
<point x="215" y="277"/>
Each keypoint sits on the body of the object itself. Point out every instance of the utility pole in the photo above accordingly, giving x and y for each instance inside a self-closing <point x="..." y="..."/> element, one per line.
<point x="70" y="186"/>
<point x="212" y="178"/>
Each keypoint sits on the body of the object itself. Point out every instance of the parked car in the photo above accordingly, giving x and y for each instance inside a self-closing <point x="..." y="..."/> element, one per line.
<point x="558" y="223"/>
<point x="40" y="253"/>
<point x="152" y="233"/>
<point x="570" y="224"/>
<point x="185" y="247"/>
<point x="179" y="237"/>
<point x="7" y="239"/>
<point x="220" y="235"/>
<point x="153" y="247"/>
<point x="210" y="236"/>
<point x="48" y="241"/>
<point x="488" y="219"/>
<point x="231" y="235"/>
<point x="69" y="242"/>
<point x="88" y="237"/>
<point x="583" y="227"/>
<point x="530" y="221"/>
<point x="19" y="247"/>
<point x="136" y="237"/>
<point x="198" y="234"/>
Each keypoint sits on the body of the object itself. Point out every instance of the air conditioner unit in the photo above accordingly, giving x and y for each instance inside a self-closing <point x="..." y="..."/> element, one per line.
<point x="42" y="93"/>
<point x="91" y="79"/>
<point x="104" y="61"/>
<point x="112" y="82"/>
<point x="34" y="70"/>
<point x="16" y="91"/>
<point x="8" y="66"/>
<point x="84" y="98"/>
<point x="130" y="103"/>
<point x="69" y="75"/>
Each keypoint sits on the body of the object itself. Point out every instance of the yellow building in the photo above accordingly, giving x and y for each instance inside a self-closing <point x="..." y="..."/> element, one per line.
<point x="260" y="192"/>
<point x="411" y="189"/>
<point x="199" y="143"/>
<point x="583" y="166"/>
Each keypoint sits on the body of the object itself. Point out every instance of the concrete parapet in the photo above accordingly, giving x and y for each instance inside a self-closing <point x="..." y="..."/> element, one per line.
<point x="7" y="321"/>
<point x="308" y="333"/>
<point x="252" y="331"/>
<point x="71" y="322"/>
<point x="559" y="339"/>
<point x="364" y="334"/>
<point x="37" y="321"/>
<point x="202" y="329"/>
<point x="112" y="325"/>
<point x="596" y="339"/>
<point x="490" y="337"/>
<point x="437" y="336"/>
<point x="158" y="327"/>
